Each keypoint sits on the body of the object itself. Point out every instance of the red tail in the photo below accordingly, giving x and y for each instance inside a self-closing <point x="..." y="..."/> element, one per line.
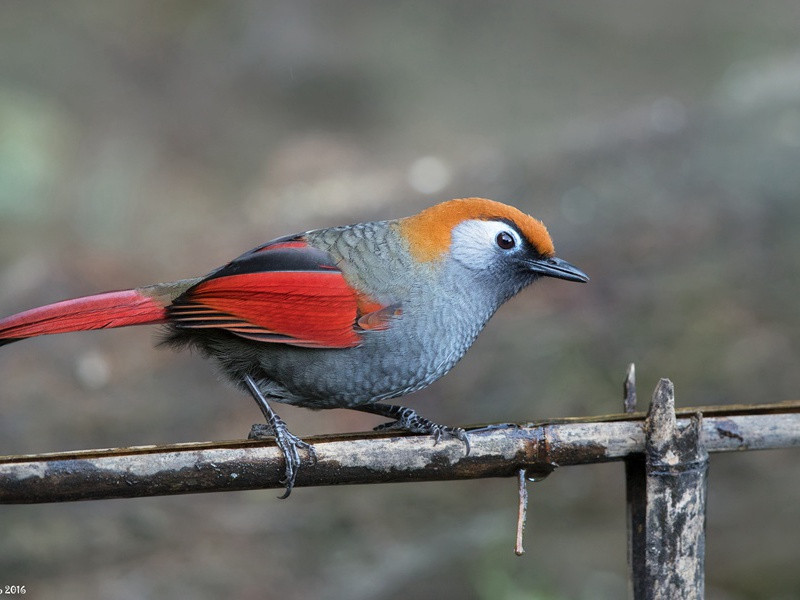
<point x="111" y="309"/>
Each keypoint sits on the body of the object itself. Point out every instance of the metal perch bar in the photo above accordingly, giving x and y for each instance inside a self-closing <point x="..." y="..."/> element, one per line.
<point x="375" y="457"/>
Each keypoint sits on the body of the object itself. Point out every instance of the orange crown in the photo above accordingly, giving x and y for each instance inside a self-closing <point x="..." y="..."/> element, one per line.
<point x="428" y="233"/>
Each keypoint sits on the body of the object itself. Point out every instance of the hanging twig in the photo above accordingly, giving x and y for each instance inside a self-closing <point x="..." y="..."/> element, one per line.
<point x="522" y="512"/>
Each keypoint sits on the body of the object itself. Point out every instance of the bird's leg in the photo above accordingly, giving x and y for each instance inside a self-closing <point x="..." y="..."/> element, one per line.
<point x="286" y="440"/>
<point x="407" y="419"/>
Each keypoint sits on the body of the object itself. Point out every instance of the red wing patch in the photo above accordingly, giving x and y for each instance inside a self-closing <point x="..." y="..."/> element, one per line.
<point x="304" y="309"/>
<point x="285" y="293"/>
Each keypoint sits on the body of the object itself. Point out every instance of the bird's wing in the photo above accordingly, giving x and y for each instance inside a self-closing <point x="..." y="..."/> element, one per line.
<point x="284" y="292"/>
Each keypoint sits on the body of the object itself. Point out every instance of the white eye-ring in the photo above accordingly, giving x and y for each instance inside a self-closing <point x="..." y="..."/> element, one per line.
<point x="479" y="244"/>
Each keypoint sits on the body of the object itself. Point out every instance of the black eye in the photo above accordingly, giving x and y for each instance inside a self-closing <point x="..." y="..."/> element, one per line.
<point x="505" y="240"/>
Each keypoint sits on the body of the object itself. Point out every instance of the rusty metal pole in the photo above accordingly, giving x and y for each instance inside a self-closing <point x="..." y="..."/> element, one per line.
<point x="676" y="466"/>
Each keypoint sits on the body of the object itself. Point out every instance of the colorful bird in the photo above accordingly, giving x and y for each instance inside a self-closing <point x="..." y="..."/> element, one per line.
<point x="345" y="317"/>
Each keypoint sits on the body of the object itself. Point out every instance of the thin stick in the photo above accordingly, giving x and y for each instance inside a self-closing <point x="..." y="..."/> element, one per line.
<point x="522" y="513"/>
<point x="630" y="389"/>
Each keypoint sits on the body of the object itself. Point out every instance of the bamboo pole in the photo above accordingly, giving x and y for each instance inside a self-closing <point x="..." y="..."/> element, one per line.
<point x="375" y="457"/>
<point x="676" y="468"/>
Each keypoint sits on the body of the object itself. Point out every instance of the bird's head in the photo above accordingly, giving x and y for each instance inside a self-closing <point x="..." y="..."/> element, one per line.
<point x="490" y="238"/>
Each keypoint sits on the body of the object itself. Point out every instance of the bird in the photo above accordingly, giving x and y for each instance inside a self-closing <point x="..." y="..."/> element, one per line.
<point x="343" y="317"/>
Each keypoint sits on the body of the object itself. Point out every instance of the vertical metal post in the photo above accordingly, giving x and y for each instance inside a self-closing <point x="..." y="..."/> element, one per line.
<point x="636" y="502"/>
<point x="666" y="496"/>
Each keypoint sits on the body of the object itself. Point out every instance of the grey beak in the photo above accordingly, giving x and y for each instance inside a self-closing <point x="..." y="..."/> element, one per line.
<point x="560" y="269"/>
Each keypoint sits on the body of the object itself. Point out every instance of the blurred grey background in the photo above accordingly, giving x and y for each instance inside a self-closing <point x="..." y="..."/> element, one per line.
<point x="148" y="141"/>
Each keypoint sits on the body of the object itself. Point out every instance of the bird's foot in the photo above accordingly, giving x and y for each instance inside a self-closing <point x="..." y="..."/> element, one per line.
<point x="409" y="420"/>
<point x="289" y="444"/>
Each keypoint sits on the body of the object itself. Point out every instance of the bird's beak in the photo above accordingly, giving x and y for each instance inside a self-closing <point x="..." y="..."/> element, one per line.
<point x="555" y="267"/>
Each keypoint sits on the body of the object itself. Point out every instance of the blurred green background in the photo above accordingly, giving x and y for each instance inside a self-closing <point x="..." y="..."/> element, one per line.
<point x="148" y="141"/>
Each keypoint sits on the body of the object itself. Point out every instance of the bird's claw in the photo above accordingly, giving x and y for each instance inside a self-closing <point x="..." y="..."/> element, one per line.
<point x="410" y="421"/>
<point x="289" y="444"/>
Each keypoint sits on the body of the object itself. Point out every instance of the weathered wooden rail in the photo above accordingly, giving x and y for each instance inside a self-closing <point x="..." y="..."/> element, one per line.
<point x="375" y="457"/>
<point x="666" y="456"/>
